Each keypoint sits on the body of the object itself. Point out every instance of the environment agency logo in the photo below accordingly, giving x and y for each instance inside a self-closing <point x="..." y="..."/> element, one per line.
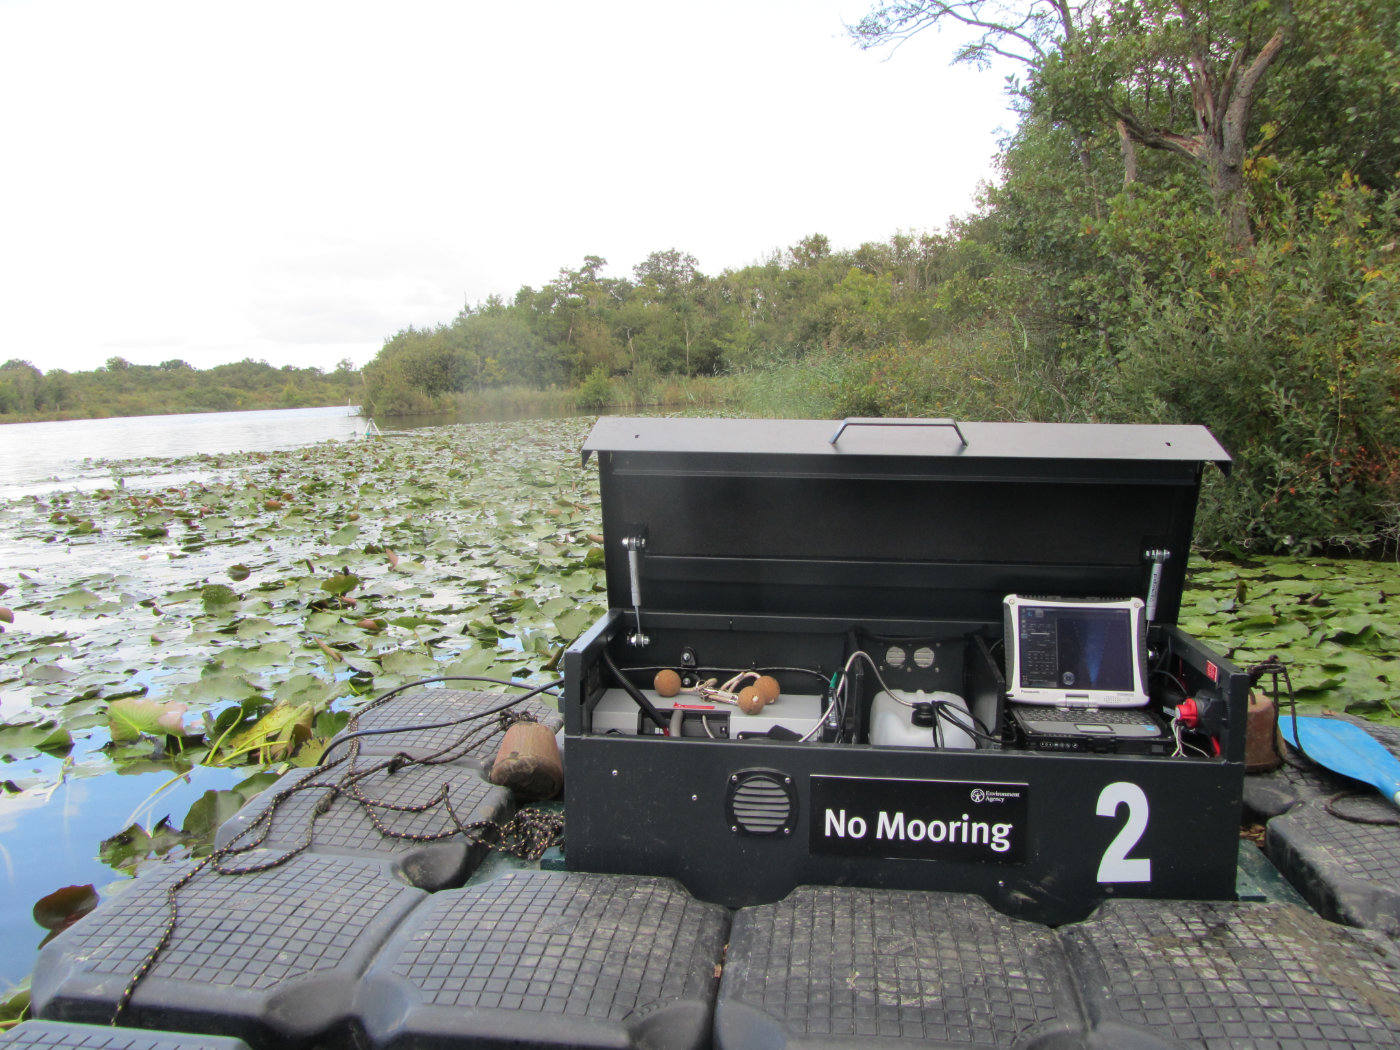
<point x="978" y="795"/>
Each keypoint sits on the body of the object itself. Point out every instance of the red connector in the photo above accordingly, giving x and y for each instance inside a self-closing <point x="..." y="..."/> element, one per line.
<point x="1188" y="714"/>
<point x="1205" y="713"/>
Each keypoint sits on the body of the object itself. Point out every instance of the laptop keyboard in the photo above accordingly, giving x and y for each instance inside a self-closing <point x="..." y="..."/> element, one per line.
<point x="1072" y="715"/>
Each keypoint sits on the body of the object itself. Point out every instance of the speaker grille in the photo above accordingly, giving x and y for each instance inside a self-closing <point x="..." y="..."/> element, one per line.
<point x="761" y="802"/>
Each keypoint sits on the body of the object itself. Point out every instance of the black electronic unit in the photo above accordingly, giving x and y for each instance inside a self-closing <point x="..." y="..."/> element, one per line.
<point x="860" y="570"/>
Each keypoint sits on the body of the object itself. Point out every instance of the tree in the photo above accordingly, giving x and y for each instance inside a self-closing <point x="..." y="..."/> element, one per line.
<point x="1024" y="33"/>
<point x="1027" y="33"/>
<point x="811" y="250"/>
<point x="1181" y="76"/>
<point x="667" y="271"/>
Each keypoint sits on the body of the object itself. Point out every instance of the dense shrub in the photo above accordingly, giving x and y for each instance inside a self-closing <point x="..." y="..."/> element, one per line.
<point x="595" y="393"/>
<point x="1290" y="354"/>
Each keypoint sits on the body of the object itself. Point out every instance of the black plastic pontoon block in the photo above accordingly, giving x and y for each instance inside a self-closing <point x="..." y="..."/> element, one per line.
<point x="56" y="1035"/>
<point x="839" y="966"/>
<point x="348" y="827"/>
<point x="271" y="957"/>
<point x="422" y="706"/>
<point x="1347" y="870"/>
<point x="1220" y="975"/>
<point x="543" y="959"/>
<point x="1268" y="795"/>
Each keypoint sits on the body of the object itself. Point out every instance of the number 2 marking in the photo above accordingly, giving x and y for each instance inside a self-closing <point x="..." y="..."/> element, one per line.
<point x="1116" y="865"/>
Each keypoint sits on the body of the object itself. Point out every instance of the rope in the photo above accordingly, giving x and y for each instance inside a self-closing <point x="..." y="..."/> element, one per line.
<point x="1356" y="818"/>
<point x="1276" y="668"/>
<point x="526" y="835"/>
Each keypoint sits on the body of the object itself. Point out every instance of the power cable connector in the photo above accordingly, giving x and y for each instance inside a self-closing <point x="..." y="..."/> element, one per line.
<point x="1206" y="713"/>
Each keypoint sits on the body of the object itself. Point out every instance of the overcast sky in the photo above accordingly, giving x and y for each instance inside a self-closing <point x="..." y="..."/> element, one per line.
<point x="295" y="182"/>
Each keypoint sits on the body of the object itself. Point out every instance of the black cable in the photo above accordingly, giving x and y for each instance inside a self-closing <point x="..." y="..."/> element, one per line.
<point x="976" y="728"/>
<point x="1277" y="668"/>
<point x="1180" y="685"/>
<point x="387" y="730"/>
<point x="648" y="708"/>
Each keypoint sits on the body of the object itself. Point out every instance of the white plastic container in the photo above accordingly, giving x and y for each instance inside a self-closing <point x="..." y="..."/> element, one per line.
<point x="892" y="722"/>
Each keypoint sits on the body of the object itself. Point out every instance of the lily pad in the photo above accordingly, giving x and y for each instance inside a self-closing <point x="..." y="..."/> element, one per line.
<point x="129" y="847"/>
<point x="341" y="583"/>
<point x="216" y="595"/>
<point x="134" y="716"/>
<point x="63" y="907"/>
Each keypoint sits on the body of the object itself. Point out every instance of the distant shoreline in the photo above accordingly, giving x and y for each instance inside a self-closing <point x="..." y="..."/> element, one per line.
<point x="182" y="410"/>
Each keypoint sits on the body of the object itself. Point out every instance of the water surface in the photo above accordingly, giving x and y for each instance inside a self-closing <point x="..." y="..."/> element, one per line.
<point x="37" y="457"/>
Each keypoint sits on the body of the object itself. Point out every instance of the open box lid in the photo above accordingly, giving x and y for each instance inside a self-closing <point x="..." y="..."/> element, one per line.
<point x="894" y="519"/>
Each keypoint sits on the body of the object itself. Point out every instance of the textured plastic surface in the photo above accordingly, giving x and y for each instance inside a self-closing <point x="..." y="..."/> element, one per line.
<point x="838" y="966"/>
<point x="549" y="959"/>
<point x="1218" y="975"/>
<point x="271" y="957"/>
<point x="423" y="706"/>
<point x="57" y="1035"/>
<point x="1268" y="795"/>
<point x="348" y="827"/>
<point x="1346" y="869"/>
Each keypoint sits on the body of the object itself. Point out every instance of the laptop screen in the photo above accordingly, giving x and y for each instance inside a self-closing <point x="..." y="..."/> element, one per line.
<point x="1069" y="648"/>
<point x="1069" y="652"/>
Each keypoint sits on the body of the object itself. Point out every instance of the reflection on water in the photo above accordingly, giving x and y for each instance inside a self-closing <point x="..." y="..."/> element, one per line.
<point x="53" y="815"/>
<point x="49" y="837"/>
<point x="504" y="413"/>
<point x="38" y="455"/>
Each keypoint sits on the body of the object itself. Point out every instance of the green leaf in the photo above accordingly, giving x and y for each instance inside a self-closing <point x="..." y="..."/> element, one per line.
<point x="134" y="716"/>
<point x="574" y="622"/>
<point x="209" y="812"/>
<point x="415" y="620"/>
<point x="63" y="907"/>
<point x="276" y="731"/>
<point x="78" y="598"/>
<point x="59" y="742"/>
<point x="410" y="665"/>
<point x="341" y="583"/>
<point x="18" y="737"/>
<point x="216" y="596"/>
<point x="129" y="847"/>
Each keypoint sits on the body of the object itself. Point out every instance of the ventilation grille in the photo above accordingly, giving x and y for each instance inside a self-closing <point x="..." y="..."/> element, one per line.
<point x="761" y="802"/>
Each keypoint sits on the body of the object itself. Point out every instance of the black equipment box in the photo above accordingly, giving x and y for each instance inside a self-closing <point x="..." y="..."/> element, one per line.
<point x="790" y="548"/>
